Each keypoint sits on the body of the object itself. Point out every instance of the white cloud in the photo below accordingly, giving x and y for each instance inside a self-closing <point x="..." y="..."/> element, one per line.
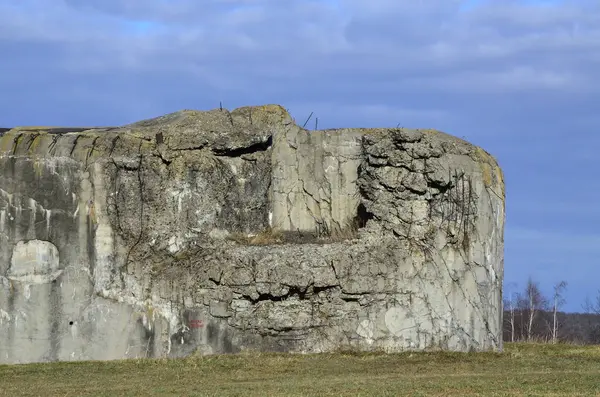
<point x="401" y="54"/>
<point x="520" y="78"/>
<point x="382" y="36"/>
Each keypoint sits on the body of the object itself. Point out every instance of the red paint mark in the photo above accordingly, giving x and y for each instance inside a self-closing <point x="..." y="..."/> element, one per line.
<point x="196" y="324"/>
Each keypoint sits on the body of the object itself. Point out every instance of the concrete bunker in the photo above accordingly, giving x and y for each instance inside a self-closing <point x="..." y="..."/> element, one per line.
<point x="224" y="231"/>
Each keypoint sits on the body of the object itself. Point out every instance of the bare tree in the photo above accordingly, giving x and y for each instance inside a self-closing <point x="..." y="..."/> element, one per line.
<point x="510" y="305"/>
<point x="557" y="301"/>
<point x="535" y="302"/>
<point x="590" y="306"/>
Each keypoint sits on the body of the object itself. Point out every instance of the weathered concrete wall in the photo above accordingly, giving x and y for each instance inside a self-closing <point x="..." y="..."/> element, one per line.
<point x="315" y="175"/>
<point x="218" y="231"/>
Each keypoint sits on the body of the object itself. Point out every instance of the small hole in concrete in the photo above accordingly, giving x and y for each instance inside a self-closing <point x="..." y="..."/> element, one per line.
<point x="362" y="216"/>
<point x="70" y="322"/>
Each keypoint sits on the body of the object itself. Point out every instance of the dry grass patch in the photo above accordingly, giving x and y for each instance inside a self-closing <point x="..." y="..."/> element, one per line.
<point x="321" y="235"/>
<point x="522" y="370"/>
<point x="266" y="237"/>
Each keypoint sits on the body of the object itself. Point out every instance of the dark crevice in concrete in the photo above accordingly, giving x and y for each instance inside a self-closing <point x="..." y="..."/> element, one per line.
<point x="316" y="290"/>
<point x="216" y="281"/>
<point x="164" y="160"/>
<point x="362" y="216"/>
<point x="257" y="147"/>
<point x="439" y="185"/>
<point x="91" y="238"/>
<point x="293" y="291"/>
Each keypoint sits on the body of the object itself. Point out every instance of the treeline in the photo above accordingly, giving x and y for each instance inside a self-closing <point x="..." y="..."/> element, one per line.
<point x="531" y="316"/>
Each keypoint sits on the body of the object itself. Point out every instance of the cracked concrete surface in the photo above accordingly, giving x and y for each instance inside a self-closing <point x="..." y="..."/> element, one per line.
<point x="136" y="241"/>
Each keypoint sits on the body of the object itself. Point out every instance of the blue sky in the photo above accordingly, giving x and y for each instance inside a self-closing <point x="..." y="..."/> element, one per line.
<point x="519" y="78"/>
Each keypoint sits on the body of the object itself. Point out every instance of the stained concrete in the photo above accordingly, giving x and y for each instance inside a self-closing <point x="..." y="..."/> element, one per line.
<point x="219" y="232"/>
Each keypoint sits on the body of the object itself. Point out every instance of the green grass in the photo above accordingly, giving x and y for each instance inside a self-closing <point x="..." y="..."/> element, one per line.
<point x="522" y="370"/>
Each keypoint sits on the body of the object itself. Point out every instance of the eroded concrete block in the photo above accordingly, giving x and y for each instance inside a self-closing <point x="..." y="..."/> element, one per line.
<point x="213" y="232"/>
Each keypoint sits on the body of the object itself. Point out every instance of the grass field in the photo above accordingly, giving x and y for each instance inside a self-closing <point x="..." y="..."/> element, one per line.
<point x="522" y="370"/>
